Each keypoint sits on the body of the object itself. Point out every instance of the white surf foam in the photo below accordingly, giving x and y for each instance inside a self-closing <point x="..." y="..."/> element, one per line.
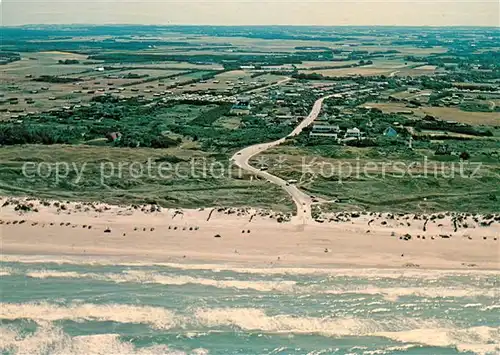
<point x="489" y="308"/>
<point x="439" y="333"/>
<point x="139" y="276"/>
<point x="479" y="340"/>
<point x="156" y="317"/>
<point x="46" y="274"/>
<point x="5" y="271"/>
<point x="393" y="293"/>
<point x="387" y="350"/>
<point x="334" y="272"/>
<point x="52" y="340"/>
<point x="150" y="277"/>
<point x="258" y="320"/>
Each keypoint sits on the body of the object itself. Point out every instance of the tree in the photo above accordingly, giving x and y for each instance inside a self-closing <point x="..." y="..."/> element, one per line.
<point x="464" y="155"/>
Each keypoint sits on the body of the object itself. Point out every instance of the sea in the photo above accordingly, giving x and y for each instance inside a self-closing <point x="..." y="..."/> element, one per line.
<point x="84" y="306"/>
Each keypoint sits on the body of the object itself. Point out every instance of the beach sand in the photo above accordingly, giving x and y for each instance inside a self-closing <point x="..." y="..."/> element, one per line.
<point x="248" y="236"/>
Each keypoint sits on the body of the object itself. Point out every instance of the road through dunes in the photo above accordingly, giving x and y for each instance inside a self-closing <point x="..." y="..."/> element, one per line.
<point x="302" y="201"/>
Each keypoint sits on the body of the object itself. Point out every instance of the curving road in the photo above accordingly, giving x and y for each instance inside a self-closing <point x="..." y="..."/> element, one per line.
<point x="302" y="201"/>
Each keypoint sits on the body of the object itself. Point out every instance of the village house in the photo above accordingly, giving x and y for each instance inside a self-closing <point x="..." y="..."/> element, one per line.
<point x="241" y="107"/>
<point x="113" y="136"/>
<point x="321" y="130"/>
<point x="390" y="132"/>
<point x="353" y="133"/>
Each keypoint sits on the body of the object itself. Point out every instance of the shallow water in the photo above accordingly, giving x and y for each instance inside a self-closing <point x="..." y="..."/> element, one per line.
<point x="55" y="307"/>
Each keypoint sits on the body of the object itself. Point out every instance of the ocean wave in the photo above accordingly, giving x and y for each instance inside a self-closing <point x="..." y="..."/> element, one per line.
<point x="149" y="277"/>
<point x="52" y="340"/>
<point x="394" y="293"/>
<point x="5" y="271"/>
<point x="438" y="333"/>
<point x="406" y="330"/>
<point x="479" y="340"/>
<point x="156" y="317"/>
<point x="387" y="350"/>
<point x="243" y="318"/>
<point x="332" y="272"/>
<point x="489" y="308"/>
<point x="388" y="293"/>
<point x="254" y="319"/>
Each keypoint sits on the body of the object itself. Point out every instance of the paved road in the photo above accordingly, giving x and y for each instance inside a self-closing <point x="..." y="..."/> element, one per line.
<point x="302" y="201"/>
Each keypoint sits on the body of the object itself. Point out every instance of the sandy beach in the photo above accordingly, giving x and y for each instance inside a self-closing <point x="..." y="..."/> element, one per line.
<point x="248" y="237"/>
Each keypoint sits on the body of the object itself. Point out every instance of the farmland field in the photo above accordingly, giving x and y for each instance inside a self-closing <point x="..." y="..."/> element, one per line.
<point x="444" y="113"/>
<point x="363" y="71"/>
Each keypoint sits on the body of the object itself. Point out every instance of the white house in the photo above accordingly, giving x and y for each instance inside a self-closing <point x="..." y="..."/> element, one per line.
<point x="353" y="133"/>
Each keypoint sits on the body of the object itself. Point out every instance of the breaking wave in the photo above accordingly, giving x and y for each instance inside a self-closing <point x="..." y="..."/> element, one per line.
<point x="257" y="319"/>
<point x="479" y="340"/>
<point x="156" y="317"/>
<point x="156" y="278"/>
<point x="5" y="271"/>
<point x="425" y="332"/>
<point x="393" y="293"/>
<point x="149" y="277"/>
<point x="48" y="339"/>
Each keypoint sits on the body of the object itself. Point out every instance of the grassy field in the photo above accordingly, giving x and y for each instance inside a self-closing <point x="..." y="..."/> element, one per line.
<point x="394" y="66"/>
<point x="455" y="114"/>
<point x="414" y="72"/>
<point x="403" y="50"/>
<point x="240" y="80"/>
<point x="183" y="185"/>
<point x="361" y="179"/>
<point x="406" y="95"/>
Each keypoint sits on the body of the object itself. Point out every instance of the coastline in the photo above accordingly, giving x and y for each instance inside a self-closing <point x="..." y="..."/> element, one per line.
<point x="245" y="237"/>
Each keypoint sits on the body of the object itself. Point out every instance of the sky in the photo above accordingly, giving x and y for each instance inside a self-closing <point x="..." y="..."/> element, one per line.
<point x="249" y="12"/>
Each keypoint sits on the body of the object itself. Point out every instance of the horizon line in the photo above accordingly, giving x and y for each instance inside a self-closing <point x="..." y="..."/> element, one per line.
<point x="246" y="25"/>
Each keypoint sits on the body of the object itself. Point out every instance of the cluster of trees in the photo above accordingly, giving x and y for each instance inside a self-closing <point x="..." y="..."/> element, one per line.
<point x="436" y="96"/>
<point x="13" y="134"/>
<point x="439" y="125"/>
<point x="208" y="117"/>
<point x="68" y="61"/>
<point x="433" y="84"/>
<point x="150" y="139"/>
<point x="56" y="79"/>
<point x="477" y="107"/>
<point x="309" y="76"/>
<point x="137" y="127"/>
<point x="222" y="139"/>
<point x="135" y="76"/>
